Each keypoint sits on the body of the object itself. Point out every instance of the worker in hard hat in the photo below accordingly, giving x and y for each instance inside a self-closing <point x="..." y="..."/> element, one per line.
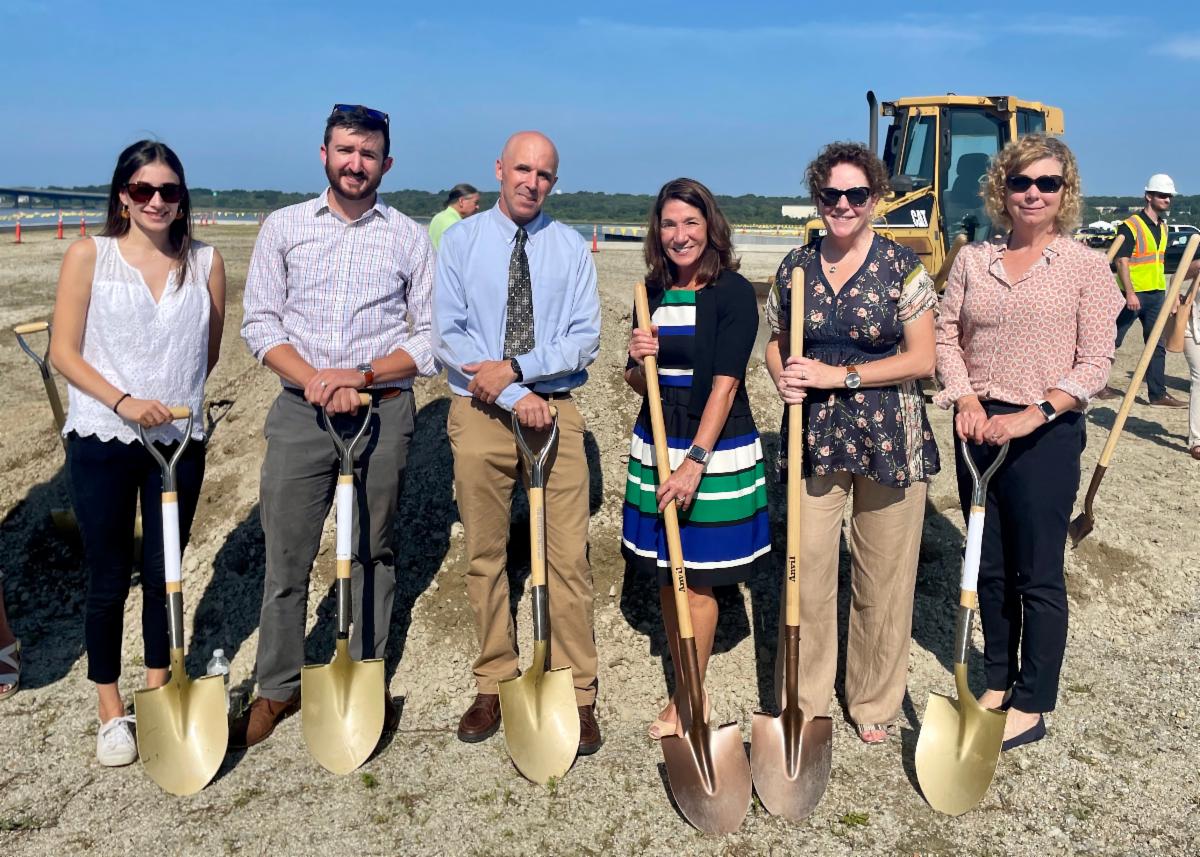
<point x="1140" y="273"/>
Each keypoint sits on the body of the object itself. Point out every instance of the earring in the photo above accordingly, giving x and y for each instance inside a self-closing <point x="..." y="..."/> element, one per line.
<point x="124" y="212"/>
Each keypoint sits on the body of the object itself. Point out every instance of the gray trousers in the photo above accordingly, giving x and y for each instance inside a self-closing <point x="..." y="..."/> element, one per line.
<point x="299" y="475"/>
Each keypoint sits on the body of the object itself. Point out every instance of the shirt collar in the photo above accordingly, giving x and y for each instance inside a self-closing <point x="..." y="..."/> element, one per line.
<point x="509" y="229"/>
<point x="321" y="206"/>
<point x="1000" y="246"/>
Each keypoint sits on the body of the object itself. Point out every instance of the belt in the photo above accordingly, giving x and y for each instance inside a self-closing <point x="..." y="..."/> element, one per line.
<point x="553" y="397"/>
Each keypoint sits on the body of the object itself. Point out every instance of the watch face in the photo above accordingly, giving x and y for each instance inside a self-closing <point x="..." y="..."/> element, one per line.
<point x="853" y="379"/>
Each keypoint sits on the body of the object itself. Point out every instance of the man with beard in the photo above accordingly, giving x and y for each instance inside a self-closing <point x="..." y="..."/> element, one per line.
<point x="337" y="301"/>
<point x="517" y="320"/>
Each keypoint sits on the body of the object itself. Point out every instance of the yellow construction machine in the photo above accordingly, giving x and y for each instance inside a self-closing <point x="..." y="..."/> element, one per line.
<point x="937" y="151"/>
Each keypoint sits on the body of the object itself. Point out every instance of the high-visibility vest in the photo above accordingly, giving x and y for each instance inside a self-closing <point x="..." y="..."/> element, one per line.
<point x="1146" y="271"/>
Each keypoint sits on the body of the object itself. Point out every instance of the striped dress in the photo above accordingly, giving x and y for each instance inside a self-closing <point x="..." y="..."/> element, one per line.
<point x="725" y="531"/>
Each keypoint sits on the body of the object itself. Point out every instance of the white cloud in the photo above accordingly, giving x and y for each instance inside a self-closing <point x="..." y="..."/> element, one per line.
<point x="1181" y="47"/>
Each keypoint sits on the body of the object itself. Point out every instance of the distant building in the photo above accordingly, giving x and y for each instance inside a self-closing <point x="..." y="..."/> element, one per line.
<point x="799" y="212"/>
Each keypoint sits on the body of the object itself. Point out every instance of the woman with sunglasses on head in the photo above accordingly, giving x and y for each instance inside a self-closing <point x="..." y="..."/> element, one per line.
<point x="867" y="310"/>
<point x="1024" y="337"/>
<point x="705" y="320"/>
<point x="137" y="330"/>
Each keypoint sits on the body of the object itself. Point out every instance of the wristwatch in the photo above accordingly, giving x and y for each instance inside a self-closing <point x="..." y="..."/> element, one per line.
<point x="516" y="367"/>
<point x="1047" y="410"/>
<point x="367" y="372"/>
<point x="853" y="380"/>
<point x="699" y="454"/>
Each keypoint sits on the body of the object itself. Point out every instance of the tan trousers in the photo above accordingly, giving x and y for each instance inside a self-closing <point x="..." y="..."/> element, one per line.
<point x="885" y="542"/>
<point x="486" y="462"/>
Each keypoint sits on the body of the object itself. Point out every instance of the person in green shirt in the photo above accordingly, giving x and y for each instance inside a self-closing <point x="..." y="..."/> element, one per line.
<point x="461" y="202"/>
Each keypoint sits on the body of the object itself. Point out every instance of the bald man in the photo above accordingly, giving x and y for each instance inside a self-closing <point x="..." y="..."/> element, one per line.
<point x="517" y="323"/>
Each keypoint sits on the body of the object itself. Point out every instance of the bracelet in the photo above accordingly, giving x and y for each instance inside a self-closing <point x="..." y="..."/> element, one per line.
<point x="117" y="403"/>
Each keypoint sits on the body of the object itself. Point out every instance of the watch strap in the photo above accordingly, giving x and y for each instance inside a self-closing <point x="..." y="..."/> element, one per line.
<point x="368" y="374"/>
<point x="516" y="367"/>
<point x="1047" y="409"/>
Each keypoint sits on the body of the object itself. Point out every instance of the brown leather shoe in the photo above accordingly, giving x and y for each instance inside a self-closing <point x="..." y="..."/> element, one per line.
<point x="589" y="731"/>
<point x="1167" y="401"/>
<point x="1109" y="393"/>
<point x="1195" y="452"/>
<point x="259" y="720"/>
<point x="481" y="720"/>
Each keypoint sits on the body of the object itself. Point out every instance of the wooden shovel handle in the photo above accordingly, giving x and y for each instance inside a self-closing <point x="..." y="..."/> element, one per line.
<point x="1111" y="253"/>
<point x="180" y="412"/>
<point x="670" y="514"/>
<point x="795" y="456"/>
<point x="940" y="280"/>
<point x="31" y="327"/>
<point x="1144" y="361"/>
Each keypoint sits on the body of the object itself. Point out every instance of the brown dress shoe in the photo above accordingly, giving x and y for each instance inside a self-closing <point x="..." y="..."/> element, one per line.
<point x="1109" y="393"/>
<point x="259" y="720"/>
<point x="1195" y="452"/>
<point x="481" y="720"/>
<point x="589" y="731"/>
<point x="1168" y="401"/>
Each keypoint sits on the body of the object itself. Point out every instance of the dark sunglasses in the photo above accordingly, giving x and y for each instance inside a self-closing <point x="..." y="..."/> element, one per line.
<point x="1159" y="194"/>
<point x="856" y="196"/>
<point x="143" y="192"/>
<point x="377" y="115"/>
<point x="1046" y="184"/>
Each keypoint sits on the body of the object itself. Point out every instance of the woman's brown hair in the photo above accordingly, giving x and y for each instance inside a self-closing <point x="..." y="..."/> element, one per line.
<point x="855" y="154"/>
<point x="132" y="159"/>
<point x="718" y="255"/>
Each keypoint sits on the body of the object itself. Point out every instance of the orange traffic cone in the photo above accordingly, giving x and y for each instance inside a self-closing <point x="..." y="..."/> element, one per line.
<point x="59" y="233"/>
<point x="82" y="227"/>
<point x="18" y="241"/>
<point x="595" y="246"/>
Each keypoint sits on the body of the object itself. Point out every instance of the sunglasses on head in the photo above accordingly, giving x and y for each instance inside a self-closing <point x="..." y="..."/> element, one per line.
<point x="1046" y="184"/>
<point x="377" y="115"/>
<point x="143" y="192"/>
<point x="856" y="196"/>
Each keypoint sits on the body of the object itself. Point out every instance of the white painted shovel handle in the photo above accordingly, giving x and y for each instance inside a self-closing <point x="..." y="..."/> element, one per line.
<point x="171" y="552"/>
<point x="970" y="570"/>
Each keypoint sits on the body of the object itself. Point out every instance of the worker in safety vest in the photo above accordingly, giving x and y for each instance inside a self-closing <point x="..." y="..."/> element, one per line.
<point x="1140" y="274"/>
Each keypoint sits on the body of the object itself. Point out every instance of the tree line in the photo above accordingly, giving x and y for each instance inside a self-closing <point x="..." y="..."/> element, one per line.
<point x="628" y="208"/>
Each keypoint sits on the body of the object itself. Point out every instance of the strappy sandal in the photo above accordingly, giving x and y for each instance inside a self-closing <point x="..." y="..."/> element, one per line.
<point x="10" y="657"/>
<point x="661" y="728"/>
<point x="874" y="733"/>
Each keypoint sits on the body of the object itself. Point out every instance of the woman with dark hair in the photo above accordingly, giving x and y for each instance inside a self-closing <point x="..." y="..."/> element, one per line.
<point x="1024" y="337"/>
<point x="705" y="319"/>
<point x="867" y="310"/>
<point x="137" y="329"/>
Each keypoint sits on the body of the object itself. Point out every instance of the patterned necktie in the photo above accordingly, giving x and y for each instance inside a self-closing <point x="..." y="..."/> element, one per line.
<point x="518" y="328"/>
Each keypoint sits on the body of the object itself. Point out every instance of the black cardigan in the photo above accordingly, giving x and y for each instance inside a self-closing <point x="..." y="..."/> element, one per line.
<point x="726" y="328"/>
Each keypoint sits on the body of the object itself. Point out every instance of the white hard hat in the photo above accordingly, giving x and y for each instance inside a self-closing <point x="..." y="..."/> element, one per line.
<point x="1160" y="183"/>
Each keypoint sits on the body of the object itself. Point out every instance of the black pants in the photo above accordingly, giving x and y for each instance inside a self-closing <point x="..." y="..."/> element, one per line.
<point x="106" y="479"/>
<point x="1022" y="591"/>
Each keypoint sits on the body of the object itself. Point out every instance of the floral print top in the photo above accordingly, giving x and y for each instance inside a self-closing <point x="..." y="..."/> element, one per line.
<point x="878" y="432"/>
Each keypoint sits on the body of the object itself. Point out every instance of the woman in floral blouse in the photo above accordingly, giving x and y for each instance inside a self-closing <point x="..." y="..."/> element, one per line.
<point x="1025" y="337"/>
<point x="868" y="338"/>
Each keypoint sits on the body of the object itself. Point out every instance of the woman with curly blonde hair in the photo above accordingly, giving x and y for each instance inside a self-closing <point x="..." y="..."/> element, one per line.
<point x="1024" y="337"/>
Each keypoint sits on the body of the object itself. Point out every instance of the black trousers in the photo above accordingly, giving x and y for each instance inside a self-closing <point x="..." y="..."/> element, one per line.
<point x="106" y="479"/>
<point x="1022" y="591"/>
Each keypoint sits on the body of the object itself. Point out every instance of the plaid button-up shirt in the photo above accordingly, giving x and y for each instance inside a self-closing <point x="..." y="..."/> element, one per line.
<point x="341" y="293"/>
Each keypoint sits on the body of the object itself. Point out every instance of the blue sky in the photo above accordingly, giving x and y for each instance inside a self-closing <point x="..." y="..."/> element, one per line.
<point x="739" y="95"/>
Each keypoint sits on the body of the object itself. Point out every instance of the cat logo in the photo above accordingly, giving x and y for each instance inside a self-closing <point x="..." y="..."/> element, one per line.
<point x="919" y="217"/>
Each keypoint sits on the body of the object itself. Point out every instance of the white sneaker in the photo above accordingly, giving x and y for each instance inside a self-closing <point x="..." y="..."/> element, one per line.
<point x="115" y="744"/>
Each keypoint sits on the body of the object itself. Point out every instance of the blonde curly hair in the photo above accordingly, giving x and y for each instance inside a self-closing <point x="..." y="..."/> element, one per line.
<point x="1015" y="157"/>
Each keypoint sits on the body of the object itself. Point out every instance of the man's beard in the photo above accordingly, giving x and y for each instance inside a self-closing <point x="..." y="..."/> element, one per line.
<point x="367" y="189"/>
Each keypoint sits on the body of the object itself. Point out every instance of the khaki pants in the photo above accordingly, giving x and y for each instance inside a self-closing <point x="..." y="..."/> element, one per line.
<point x="885" y="541"/>
<point x="485" y="470"/>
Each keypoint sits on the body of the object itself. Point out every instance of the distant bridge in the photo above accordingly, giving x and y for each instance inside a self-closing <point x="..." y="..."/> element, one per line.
<point x="28" y="196"/>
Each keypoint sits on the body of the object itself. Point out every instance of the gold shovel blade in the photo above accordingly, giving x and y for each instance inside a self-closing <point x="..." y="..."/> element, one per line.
<point x="958" y="749"/>
<point x="182" y="731"/>
<point x="790" y="758"/>
<point x="541" y="719"/>
<point x="342" y="709"/>
<point x="709" y="776"/>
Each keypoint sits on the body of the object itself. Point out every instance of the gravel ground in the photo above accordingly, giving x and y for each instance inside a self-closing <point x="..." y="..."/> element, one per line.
<point x="1116" y="776"/>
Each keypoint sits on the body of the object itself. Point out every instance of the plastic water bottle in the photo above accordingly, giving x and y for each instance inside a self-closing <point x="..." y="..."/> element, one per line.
<point x="219" y="665"/>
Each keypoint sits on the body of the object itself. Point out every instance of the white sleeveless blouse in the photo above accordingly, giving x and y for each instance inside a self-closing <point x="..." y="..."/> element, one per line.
<point x="152" y="351"/>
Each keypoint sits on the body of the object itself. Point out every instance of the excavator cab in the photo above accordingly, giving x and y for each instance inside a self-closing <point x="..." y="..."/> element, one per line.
<point x="937" y="152"/>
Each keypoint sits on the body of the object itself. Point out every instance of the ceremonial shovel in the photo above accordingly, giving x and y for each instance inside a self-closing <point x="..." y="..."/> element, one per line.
<point x="342" y="702"/>
<point x="182" y="727"/>
<point x="790" y="757"/>
<point x="960" y="740"/>
<point x="707" y="770"/>
<point x="541" y="719"/>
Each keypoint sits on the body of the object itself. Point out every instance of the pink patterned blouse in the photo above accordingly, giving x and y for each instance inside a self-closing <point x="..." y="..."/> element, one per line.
<point x="1054" y="327"/>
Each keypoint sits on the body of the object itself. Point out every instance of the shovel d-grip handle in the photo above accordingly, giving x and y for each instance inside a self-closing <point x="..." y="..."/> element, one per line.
<point x="343" y="517"/>
<point x="172" y="553"/>
<point x="683" y="613"/>
<point x="43" y="364"/>
<point x="968" y="598"/>
<point x="537" y="522"/>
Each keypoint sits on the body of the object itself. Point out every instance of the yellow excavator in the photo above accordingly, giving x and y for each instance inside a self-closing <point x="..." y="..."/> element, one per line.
<point x="937" y="151"/>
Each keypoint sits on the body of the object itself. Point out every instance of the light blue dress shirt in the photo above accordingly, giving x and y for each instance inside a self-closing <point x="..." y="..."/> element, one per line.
<point x="470" y="303"/>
